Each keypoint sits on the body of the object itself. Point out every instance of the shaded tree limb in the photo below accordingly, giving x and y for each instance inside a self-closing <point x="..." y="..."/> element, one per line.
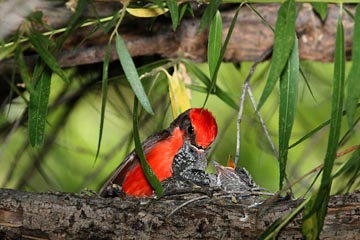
<point x="69" y="216"/>
<point x="250" y="38"/>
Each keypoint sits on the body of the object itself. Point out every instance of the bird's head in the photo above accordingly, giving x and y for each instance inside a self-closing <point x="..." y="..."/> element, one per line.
<point x="199" y="127"/>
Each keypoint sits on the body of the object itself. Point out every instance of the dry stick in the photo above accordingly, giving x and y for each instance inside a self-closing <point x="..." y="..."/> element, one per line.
<point x="246" y="88"/>
<point x="186" y="203"/>
<point x="346" y="151"/>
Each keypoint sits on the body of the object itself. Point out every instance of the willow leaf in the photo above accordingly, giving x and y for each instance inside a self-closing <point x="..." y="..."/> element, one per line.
<point x="174" y="12"/>
<point x="321" y="9"/>
<point x="41" y="44"/>
<point x="104" y="90"/>
<point x="132" y="74"/>
<point x="209" y="13"/>
<point x="283" y="44"/>
<point x="353" y="87"/>
<point x="288" y="98"/>
<point x="38" y="105"/>
<point x="214" y="43"/>
<point x="148" y="172"/>
<point x="315" y="211"/>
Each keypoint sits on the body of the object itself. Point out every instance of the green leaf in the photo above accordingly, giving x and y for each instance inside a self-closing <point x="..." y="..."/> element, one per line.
<point x="72" y="22"/>
<point x="205" y="80"/>
<point x="6" y="51"/>
<point x="288" y="98"/>
<point x="214" y="43"/>
<point x="41" y="44"/>
<point x="222" y="53"/>
<point x="185" y="7"/>
<point x="311" y="226"/>
<point x="321" y="9"/>
<point x="174" y="12"/>
<point x="24" y="73"/>
<point x="209" y="14"/>
<point x="148" y="172"/>
<point x="283" y="44"/>
<point x="104" y="90"/>
<point x="353" y="86"/>
<point x="38" y="105"/>
<point x="159" y="3"/>
<point x="315" y="211"/>
<point x="132" y="74"/>
<point x="315" y="130"/>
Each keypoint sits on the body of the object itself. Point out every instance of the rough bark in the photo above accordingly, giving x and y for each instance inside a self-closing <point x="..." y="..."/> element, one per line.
<point x="251" y="37"/>
<point x="68" y="216"/>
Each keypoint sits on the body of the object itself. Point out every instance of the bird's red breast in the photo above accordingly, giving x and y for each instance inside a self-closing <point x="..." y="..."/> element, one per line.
<point x="160" y="159"/>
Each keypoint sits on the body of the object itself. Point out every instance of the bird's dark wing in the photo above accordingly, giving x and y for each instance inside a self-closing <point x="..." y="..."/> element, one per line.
<point x="118" y="176"/>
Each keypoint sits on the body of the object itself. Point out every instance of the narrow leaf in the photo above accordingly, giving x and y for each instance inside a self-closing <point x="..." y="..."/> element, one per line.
<point x="132" y="74"/>
<point x="317" y="129"/>
<point x="353" y="85"/>
<point x="205" y="80"/>
<point x="321" y="9"/>
<point x="72" y="22"/>
<point x="174" y="12"/>
<point x="214" y="43"/>
<point x="283" y="43"/>
<point x="288" y="98"/>
<point x="185" y="7"/>
<point x="315" y="211"/>
<point x="6" y="51"/>
<point x="147" y="12"/>
<point x="148" y="172"/>
<point x="38" y="105"/>
<point x="158" y="3"/>
<point x="222" y="53"/>
<point x="209" y="14"/>
<point x="104" y="90"/>
<point x="24" y="73"/>
<point x="40" y="43"/>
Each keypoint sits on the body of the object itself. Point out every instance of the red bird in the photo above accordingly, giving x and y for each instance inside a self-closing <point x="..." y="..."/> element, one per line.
<point x="187" y="140"/>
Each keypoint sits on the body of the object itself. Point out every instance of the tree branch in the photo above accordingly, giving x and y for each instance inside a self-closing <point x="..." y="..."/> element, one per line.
<point x="69" y="216"/>
<point x="251" y="37"/>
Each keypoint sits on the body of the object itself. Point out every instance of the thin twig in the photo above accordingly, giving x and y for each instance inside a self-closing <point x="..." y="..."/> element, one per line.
<point x="263" y="125"/>
<point x="246" y="85"/>
<point x="186" y="203"/>
<point x="240" y="113"/>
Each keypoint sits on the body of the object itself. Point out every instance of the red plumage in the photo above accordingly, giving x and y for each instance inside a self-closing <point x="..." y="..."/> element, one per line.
<point x="205" y="126"/>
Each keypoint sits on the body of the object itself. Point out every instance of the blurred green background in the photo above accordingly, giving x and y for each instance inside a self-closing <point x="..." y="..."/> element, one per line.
<point x="67" y="160"/>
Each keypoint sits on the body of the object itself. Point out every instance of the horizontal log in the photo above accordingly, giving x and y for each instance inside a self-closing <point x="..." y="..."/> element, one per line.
<point x="182" y="216"/>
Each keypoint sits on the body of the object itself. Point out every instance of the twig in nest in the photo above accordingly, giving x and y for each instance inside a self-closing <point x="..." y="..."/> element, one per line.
<point x="186" y="203"/>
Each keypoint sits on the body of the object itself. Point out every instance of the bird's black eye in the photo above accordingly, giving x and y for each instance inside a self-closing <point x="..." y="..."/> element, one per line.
<point x="190" y="130"/>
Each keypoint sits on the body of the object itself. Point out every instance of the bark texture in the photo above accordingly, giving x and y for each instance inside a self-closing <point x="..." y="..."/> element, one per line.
<point x="184" y="216"/>
<point x="251" y="37"/>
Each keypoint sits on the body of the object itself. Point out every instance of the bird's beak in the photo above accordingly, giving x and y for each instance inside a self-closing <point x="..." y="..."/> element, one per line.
<point x="198" y="149"/>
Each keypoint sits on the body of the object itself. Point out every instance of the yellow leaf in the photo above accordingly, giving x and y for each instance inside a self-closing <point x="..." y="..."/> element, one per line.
<point x="179" y="98"/>
<point x="146" y="12"/>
